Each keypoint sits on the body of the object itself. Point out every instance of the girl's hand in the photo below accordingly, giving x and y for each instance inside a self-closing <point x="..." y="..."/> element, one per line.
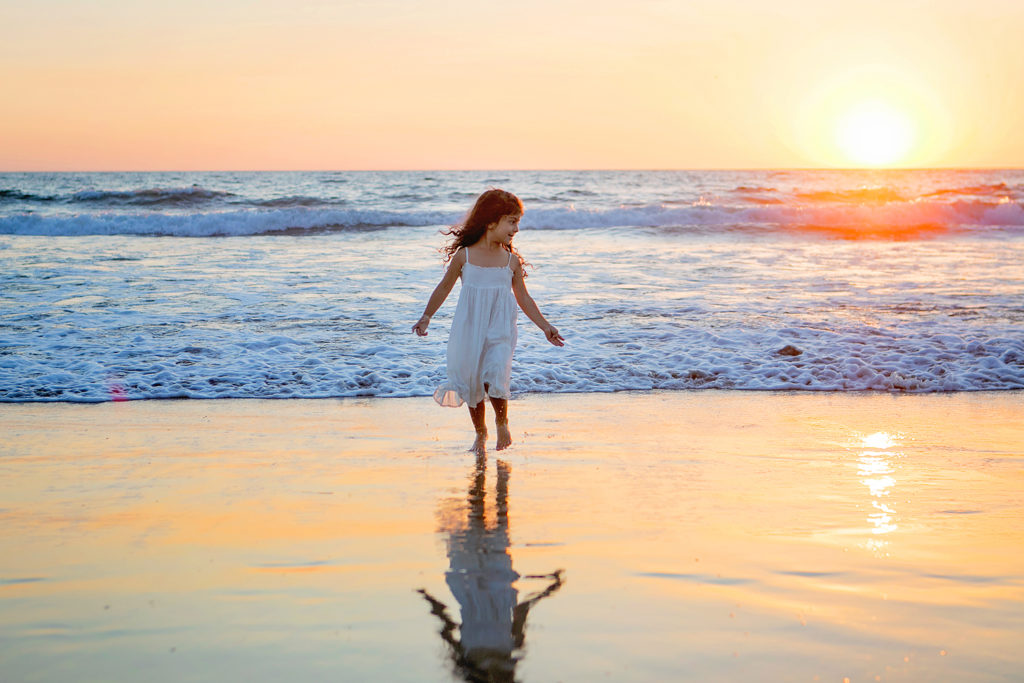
<point x="420" y="327"/>
<point x="551" y="332"/>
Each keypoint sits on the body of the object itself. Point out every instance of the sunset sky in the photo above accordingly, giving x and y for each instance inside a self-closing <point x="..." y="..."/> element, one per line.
<point x="393" y="84"/>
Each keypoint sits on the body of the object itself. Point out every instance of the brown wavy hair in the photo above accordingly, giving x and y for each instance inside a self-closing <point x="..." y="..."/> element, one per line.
<point x="490" y="207"/>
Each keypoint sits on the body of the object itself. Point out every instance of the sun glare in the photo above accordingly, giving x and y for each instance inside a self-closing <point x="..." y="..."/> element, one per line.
<point x="871" y="116"/>
<point x="874" y="133"/>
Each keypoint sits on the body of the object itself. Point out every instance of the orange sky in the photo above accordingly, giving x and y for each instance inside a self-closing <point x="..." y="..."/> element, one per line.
<point x="390" y="84"/>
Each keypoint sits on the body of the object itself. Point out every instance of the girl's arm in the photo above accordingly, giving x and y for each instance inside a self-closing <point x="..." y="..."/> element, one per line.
<point x="444" y="287"/>
<point x="530" y="308"/>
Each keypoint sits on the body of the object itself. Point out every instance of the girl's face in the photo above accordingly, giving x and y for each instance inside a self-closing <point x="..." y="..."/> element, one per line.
<point x="505" y="229"/>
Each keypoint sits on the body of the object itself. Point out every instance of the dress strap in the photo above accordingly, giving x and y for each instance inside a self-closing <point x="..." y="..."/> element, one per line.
<point x="466" y="249"/>
<point x="509" y="259"/>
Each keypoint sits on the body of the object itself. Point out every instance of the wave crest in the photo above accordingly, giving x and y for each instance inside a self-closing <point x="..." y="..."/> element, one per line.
<point x="155" y="196"/>
<point x="218" y="224"/>
<point x="878" y="221"/>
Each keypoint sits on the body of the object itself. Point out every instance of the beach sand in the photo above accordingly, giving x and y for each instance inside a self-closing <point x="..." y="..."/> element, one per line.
<point x="706" y="536"/>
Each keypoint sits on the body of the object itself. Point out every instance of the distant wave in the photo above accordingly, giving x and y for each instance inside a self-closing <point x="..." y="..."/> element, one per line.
<point x="219" y="224"/>
<point x="762" y="196"/>
<point x="858" y="195"/>
<point x="297" y="202"/>
<point x="772" y="216"/>
<point x="975" y="190"/>
<point x="891" y="219"/>
<point x="19" y="196"/>
<point x="194" y="197"/>
<point x="156" y="196"/>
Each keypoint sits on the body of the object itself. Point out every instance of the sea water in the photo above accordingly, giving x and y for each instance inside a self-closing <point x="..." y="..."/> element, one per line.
<point x="121" y="286"/>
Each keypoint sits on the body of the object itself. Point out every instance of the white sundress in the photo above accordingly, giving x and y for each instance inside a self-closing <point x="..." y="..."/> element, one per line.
<point x="482" y="338"/>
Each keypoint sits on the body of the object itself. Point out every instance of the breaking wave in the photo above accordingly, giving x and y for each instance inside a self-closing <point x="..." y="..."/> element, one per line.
<point x="186" y="196"/>
<point x="291" y="215"/>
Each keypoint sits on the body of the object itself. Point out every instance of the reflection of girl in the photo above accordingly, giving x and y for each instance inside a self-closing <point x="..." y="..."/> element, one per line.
<point x="481" y="577"/>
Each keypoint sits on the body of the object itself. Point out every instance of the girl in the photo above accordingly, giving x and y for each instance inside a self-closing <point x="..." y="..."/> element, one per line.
<point x="483" y="333"/>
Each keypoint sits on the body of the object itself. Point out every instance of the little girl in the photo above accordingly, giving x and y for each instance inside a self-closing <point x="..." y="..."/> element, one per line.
<point x="483" y="333"/>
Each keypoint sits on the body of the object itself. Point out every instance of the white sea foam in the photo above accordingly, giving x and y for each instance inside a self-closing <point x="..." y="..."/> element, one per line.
<point x="298" y="366"/>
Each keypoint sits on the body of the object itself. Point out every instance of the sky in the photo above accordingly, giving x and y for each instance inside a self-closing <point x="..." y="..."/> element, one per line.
<point x="535" y="84"/>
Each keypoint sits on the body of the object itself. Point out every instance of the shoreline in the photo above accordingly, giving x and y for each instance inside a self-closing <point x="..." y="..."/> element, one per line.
<point x="534" y="395"/>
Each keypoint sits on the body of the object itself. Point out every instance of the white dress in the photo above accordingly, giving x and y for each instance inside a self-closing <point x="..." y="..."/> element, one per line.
<point x="482" y="337"/>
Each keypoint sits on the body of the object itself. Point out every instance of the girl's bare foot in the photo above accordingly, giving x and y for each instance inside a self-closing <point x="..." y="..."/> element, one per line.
<point x="504" y="436"/>
<point x="479" y="446"/>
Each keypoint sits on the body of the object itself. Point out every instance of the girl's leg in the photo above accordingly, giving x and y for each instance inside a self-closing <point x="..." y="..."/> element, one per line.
<point x="477" y="414"/>
<point x="501" y="422"/>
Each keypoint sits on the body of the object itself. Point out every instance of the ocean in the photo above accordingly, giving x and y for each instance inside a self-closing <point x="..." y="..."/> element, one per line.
<point x="122" y="286"/>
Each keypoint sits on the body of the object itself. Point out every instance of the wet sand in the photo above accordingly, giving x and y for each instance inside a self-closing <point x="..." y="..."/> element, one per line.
<point x="706" y="536"/>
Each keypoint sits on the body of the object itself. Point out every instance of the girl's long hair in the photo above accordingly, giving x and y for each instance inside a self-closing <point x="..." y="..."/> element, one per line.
<point x="490" y="207"/>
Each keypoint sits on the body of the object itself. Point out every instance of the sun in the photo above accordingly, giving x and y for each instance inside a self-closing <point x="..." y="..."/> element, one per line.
<point x="874" y="133"/>
<point x="869" y="116"/>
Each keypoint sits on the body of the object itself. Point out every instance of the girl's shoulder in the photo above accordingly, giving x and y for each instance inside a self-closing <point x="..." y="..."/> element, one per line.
<point x="515" y="262"/>
<point x="457" y="260"/>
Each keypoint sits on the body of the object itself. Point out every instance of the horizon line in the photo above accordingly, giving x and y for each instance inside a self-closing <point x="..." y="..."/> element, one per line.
<point x="531" y="170"/>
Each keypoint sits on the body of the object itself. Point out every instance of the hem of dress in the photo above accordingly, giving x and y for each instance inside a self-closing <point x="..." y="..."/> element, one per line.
<point x="450" y="397"/>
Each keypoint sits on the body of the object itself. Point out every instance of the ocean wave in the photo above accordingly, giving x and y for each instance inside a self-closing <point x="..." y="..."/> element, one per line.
<point x="754" y="189"/>
<point x="154" y="196"/>
<point x="219" y="224"/>
<point x="157" y="197"/>
<point x="982" y="190"/>
<point x="931" y="215"/>
<point x="193" y="197"/>
<point x="760" y="196"/>
<point x="886" y="220"/>
<point x="860" y="195"/>
<point x="19" y="196"/>
<point x="297" y="201"/>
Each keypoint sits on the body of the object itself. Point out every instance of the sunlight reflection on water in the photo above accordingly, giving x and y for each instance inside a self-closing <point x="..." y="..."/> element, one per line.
<point x="876" y="465"/>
